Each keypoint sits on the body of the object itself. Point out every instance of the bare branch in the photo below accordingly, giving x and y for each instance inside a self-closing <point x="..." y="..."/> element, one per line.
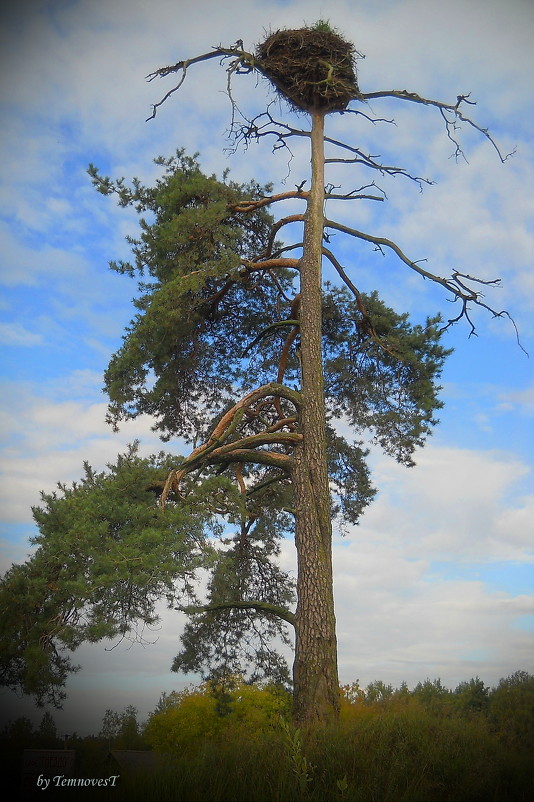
<point x="366" y="320"/>
<point x="360" y="113"/>
<point x="242" y="59"/>
<point x="272" y="263"/>
<point x="264" y="124"/>
<point x="253" y="130"/>
<point x="354" y="195"/>
<point x="246" y="206"/>
<point x="446" y="110"/>
<point x="284" y="221"/>
<point x="456" y="284"/>
<point x="371" y="161"/>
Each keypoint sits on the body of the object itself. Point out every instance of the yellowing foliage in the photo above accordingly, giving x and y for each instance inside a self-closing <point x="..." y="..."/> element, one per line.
<point x="181" y="727"/>
<point x="194" y="715"/>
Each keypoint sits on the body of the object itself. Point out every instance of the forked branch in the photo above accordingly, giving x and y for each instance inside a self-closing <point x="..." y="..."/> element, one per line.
<point x="241" y="60"/>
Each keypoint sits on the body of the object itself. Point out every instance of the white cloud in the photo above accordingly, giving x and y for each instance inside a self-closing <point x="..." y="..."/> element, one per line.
<point x="522" y="400"/>
<point x="421" y="628"/>
<point x="447" y="507"/>
<point x="15" y="334"/>
<point x="47" y="442"/>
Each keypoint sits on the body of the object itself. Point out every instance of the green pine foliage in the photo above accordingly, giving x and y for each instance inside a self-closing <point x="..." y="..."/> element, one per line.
<point x="230" y="640"/>
<point x="198" y="308"/>
<point x="105" y="556"/>
<point x="386" y="383"/>
<point x="216" y="317"/>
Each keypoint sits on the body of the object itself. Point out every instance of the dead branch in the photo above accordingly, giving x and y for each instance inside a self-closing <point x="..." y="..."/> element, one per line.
<point x="240" y="56"/>
<point x="284" y="221"/>
<point x="456" y="284"/>
<point x="366" y="320"/>
<point x="353" y="195"/>
<point x="371" y="161"/>
<point x="271" y="264"/>
<point x="260" y="126"/>
<point x="247" y="206"/>
<point x="450" y="112"/>
<point x="373" y="120"/>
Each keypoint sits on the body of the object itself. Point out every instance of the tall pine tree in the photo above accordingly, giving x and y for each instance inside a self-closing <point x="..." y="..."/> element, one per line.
<point x="239" y="347"/>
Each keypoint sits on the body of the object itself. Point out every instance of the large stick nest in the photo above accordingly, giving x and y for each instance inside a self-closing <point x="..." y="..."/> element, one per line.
<point x="313" y="70"/>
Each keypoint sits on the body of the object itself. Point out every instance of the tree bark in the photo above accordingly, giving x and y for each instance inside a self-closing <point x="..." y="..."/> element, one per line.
<point x="315" y="676"/>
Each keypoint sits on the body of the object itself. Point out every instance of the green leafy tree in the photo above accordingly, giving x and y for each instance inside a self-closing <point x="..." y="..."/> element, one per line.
<point x="512" y="709"/>
<point x="129" y="736"/>
<point x="46" y="733"/>
<point x="184" y="723"/>
<point x="378" y="691"/>
<point x="432" y="695"/>
<point x="188" y="717"/>
<point x="110" y="727"/>
<point x="121" y="730"/>
<point x="19" y="732"/>
<point x="472" y="696"/>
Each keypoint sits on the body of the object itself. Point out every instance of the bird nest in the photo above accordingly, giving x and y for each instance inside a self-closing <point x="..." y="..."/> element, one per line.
<point x="312" y="69"/>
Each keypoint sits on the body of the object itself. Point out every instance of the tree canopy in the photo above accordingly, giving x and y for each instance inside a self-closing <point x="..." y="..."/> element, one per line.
<point x="105" y="555"/>
<point x="219" y="318"/>
<point x="216" y="323"/>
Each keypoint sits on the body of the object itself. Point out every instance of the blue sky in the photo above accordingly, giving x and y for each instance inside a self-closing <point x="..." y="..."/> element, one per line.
<point x="438" y="578"/>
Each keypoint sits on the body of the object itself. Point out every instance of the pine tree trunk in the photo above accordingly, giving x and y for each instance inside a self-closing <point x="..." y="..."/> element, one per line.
<point x="316" y="685"/>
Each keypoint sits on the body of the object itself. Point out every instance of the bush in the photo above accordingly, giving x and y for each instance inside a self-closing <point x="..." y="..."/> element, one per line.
<point x="182" y="727"/>
<point x="193" y="716"/>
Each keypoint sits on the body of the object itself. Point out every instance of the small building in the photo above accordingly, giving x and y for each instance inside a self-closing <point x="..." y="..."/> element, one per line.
<point x="40" y="766"/>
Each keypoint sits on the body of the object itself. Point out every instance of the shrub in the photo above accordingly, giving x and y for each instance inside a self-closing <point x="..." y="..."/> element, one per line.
<point x="184" y="725"/>
<point x="189" y="718"/>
